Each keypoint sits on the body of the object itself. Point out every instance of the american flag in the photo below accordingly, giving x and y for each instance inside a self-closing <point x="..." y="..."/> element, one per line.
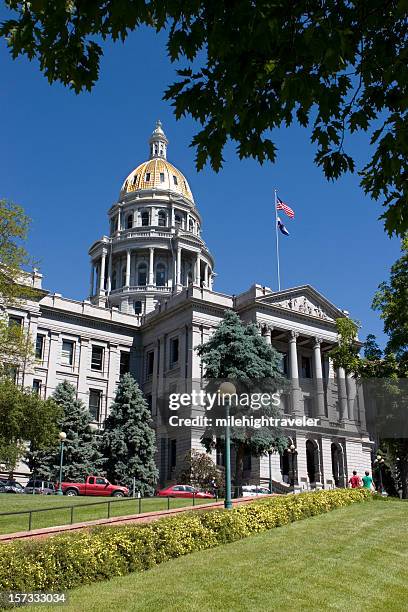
<point x="286" y="209"/>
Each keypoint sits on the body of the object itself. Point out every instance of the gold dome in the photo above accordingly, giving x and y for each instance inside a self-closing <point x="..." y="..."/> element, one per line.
<point x="157" y="173"/>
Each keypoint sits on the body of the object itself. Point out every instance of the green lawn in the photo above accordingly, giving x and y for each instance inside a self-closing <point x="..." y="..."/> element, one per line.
<point x="11" y="503"/>
<point x="352" y="559"/>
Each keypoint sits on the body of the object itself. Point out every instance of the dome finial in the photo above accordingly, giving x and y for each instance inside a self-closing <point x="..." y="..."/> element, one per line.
<point x="158" y="142"/>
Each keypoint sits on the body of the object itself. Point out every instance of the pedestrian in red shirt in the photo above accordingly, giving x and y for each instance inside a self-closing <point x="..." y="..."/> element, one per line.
<point x="355" y="480"/>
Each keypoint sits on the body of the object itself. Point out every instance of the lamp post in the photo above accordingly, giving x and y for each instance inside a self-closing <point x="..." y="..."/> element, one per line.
<point x="292" y="452"/>
<point x="227" y="388"/>
<point x="270" y="470"/>
<point x="62" y="437"/>
<point x="380" y="462"/>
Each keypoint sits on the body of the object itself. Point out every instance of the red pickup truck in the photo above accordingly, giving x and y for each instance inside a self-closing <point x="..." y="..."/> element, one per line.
<point x="94" y="485"/>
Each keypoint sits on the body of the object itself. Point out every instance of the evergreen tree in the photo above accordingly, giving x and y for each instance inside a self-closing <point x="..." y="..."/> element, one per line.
<point x="239" y="353"/>
<point x="129" y="441"/>
<point x="81" y="453"/>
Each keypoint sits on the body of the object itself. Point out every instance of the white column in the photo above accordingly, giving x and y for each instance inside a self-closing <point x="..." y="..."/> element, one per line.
<point x="127" y="277"/>
<point x="109" y="284"/>
<point x="53" y="358"/>
<point x="206" y="269"/>
<point x="92" y="280"/>
<point x="102" y="274"/>
<point x="351" y="395"/>
<point x="172" y="217"/>
<point x="341" y="377"/>
<point x="197" y="269"/>
<point x="178" y="267"/>
<point x="294" y="373"/>
<point x="151" y="266"/>
<point x="84" y="367"/>
<point x="119" y="227"/>
<point x="317" y="358"/>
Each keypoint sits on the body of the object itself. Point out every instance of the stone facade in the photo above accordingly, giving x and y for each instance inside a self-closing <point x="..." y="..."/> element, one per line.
<point x="152" y="303"/>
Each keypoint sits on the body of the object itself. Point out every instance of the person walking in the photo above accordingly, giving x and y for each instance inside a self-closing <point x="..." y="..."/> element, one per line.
<point x="368" y="481"/>
<point x="355" y="480"/>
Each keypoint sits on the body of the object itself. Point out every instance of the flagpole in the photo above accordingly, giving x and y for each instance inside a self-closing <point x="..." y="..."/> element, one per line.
<point x="277" y="243"/>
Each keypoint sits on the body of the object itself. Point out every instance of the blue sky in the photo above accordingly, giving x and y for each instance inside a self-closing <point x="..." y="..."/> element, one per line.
<point x="63" y="157"/>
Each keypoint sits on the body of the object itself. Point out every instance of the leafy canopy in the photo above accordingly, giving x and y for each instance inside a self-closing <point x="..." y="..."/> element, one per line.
<point x="336" y="67"/>
<point x="24" y="418"/>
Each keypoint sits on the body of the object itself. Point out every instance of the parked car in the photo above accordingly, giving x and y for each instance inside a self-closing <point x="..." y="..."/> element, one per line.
<point x="11" y="486"/>
<point x="94" y="485"/>
<point x="254" y="491"/>
<point x="39" y="487"/>
<point x="184" y="491"/>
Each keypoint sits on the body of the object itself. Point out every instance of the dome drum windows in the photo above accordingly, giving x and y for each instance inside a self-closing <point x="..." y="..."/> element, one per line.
<point x="162" y="177"/>
<point x="178" y="221"/>
<point x="142" y="275"/>
<point x="147" y="177"/>
<point x="162" y="218"/>
<point x="160" y="275"/>
<point x="175" y="180"/>
<point x="145" y="217"/>
<point x="129" y="221"/>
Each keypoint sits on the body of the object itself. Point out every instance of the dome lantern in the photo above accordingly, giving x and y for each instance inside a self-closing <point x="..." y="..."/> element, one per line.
<point x="158" y="142"/>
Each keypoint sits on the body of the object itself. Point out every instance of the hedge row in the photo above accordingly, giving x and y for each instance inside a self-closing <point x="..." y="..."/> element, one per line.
<point x="64" y="562"/>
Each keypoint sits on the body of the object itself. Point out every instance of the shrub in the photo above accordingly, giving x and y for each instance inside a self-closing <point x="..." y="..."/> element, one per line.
<point x="64" y="562"/>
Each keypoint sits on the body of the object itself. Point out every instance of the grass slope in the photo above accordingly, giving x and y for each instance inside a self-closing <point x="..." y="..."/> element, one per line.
<point x="354" y="559"/>
<point x="11" y="503"/>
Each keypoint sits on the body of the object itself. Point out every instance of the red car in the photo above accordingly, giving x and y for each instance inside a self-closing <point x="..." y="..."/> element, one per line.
<point x="184" y="491"/>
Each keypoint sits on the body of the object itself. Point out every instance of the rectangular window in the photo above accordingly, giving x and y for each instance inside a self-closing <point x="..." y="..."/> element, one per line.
<point x="95" y="398"/>
<point x="124" y="362"/>
<point x="37" y="386"/>
<point x="39" y="346"/>
<point x="175" y="181"/>
<point x="97" y="358"/>
<point x="174" y="351"/>
<point x="308" y="403"/>
<point x="147" y="177"/>
<point x="149" y="363"/>
<point x="162" y="177"/>
<point x="306" y="368"/>
<point x="15" y="321"/>
<point x="67" y="354"/>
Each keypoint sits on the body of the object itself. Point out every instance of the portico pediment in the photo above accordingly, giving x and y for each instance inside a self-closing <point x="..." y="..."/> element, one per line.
<point x="304" y="300"/>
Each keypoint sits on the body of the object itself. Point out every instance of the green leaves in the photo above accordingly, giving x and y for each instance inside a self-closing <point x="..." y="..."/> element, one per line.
<point x="257" y="66"/>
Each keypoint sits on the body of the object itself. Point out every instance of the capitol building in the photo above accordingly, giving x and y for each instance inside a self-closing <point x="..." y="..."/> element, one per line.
<point x="152" y="301"/>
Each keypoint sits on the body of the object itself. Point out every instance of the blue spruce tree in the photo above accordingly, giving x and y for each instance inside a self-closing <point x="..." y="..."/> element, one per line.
<point x="81" y="449"/>
<point x="129" y="441"/>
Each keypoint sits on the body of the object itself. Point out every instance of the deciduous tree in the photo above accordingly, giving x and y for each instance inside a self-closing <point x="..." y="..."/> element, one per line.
<point x="246" y="68"/>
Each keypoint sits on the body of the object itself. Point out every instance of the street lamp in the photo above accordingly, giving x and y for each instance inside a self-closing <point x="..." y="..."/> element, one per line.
<point x="292" y="452"/>
<point x="380" y="462"/>
<point x="62" y="437"/>
<point x="227" y="388"/>
<point x="270" y="470"/>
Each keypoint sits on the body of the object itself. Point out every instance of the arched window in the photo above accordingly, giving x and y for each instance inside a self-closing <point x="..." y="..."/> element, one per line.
<point x="129" y="221"/>
<point x="160" y="275"/>
<point x="145" y="217"/>
<point x="178" y="220"/>
<point x="113" y="280"/>
<point x="142" y="275"/>
<point x="162" y="218"/>
<point x="138" y="307"/>
<point x="191" y="226"/>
